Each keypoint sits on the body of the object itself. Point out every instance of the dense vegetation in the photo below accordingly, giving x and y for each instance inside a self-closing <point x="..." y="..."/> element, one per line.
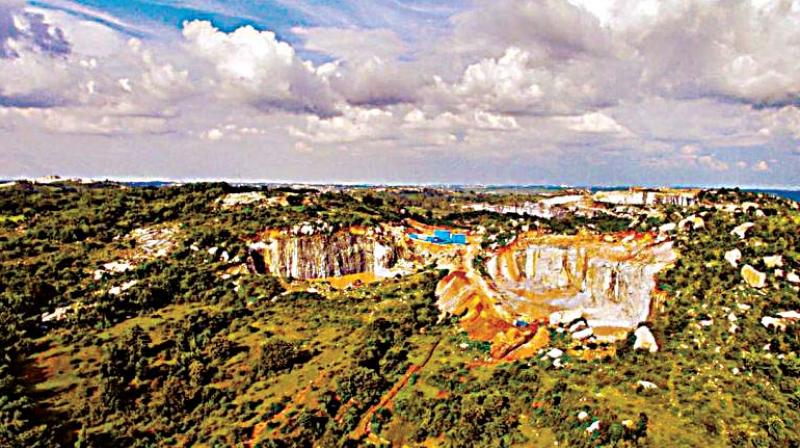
<point x="196" y="351"/>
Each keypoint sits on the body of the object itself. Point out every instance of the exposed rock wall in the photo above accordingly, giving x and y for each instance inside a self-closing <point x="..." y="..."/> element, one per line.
<point x="610" y="281"/>
<point x="327" y="255"/>
<point x="681" y="198"/>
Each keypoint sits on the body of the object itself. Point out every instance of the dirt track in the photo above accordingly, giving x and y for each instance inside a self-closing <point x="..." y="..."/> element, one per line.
<point x="363" y="426"/>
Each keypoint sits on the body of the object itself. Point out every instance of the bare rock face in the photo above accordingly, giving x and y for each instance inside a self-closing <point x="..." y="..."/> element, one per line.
<point x="610" y="282"/>
<point x="600" y="287"/>
<point x="324" y="255"/>
<point x="681" y="198"/>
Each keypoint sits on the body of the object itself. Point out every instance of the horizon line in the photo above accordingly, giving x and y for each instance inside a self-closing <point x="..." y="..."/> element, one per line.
<point x="133" y="179"/>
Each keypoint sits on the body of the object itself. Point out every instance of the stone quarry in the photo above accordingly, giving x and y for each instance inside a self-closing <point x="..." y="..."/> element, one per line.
<point x="607" y="282"/>
<point x="598" y="288"/>
<point x="319" y="255"/>
<point x="610" y="280"/>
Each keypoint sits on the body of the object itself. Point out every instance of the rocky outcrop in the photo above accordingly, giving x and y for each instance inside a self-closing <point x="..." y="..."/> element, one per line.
<point x="324" y="255"/>
<point x="231" y="200"/>
<point x="611" y="282"/>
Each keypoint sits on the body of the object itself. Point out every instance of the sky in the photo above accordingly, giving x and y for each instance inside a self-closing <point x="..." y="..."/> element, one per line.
<point x="574" y="92"/>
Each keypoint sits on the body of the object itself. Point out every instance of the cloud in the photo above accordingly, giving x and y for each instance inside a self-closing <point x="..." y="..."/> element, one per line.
<point x="742" y="50"/>
<point x="367" y="69"/>
<point x="213" y="134"/>
<point x="253" y="66"/>
<point x="89" y="121"/>
<point x="372" y="82"/>
<point x="352" y="44"/>
<point x="691" y="156"/>
<point x="355" y="124"/>
<point x="33" y="71"/>
<point x="697" y="86"/>
<point x="31" y="79"/>
<point x="452" y="122"/>
<point x="547" y="28"/>
<point x="516" y="83"/>
<point x="22" y="30"/>
<point x="594" y="122"/>
<point x="505" y="84"/>
<point x="713" y="163"/>
<point x="160" y="81"/>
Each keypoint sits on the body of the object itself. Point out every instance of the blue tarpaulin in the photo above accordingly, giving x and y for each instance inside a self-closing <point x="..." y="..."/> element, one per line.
<point x="441" y="236"/>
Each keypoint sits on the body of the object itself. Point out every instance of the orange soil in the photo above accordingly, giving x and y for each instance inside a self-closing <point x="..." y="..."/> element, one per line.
<point x="350" y="279"/>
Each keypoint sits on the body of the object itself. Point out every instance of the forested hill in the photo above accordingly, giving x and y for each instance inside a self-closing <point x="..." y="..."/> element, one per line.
<point x="137" y="316"/>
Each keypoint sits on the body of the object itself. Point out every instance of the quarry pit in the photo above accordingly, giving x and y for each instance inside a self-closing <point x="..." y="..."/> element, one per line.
<point x="512" y="294"/>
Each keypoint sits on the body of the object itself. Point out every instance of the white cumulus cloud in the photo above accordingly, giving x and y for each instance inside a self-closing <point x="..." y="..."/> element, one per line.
<point x="254" y="67"/>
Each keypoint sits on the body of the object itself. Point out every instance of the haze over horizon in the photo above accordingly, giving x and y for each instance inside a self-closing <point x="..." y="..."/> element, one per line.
<point x="578" y="92"/>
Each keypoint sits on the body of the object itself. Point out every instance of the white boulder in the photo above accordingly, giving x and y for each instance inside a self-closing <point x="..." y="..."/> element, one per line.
<point x="774" y="322"/>
<point x="789" y="315"/>
<point x="733" y="256"/>
<point x="741" y="229"/>
<point x="577" y="326"/>
<point x="565" y="316"/>
<point x="582" y="334"/>
<point x="59" y="313"/>
<point x="645" y="340"/>
<point x="696" y="222"/>
<point x="646" y="385"/>
<point x="773" y="261"/>
<point x="555" y="353"/>
<point x="668" y="227"/>
<point x="753" y="277"/>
